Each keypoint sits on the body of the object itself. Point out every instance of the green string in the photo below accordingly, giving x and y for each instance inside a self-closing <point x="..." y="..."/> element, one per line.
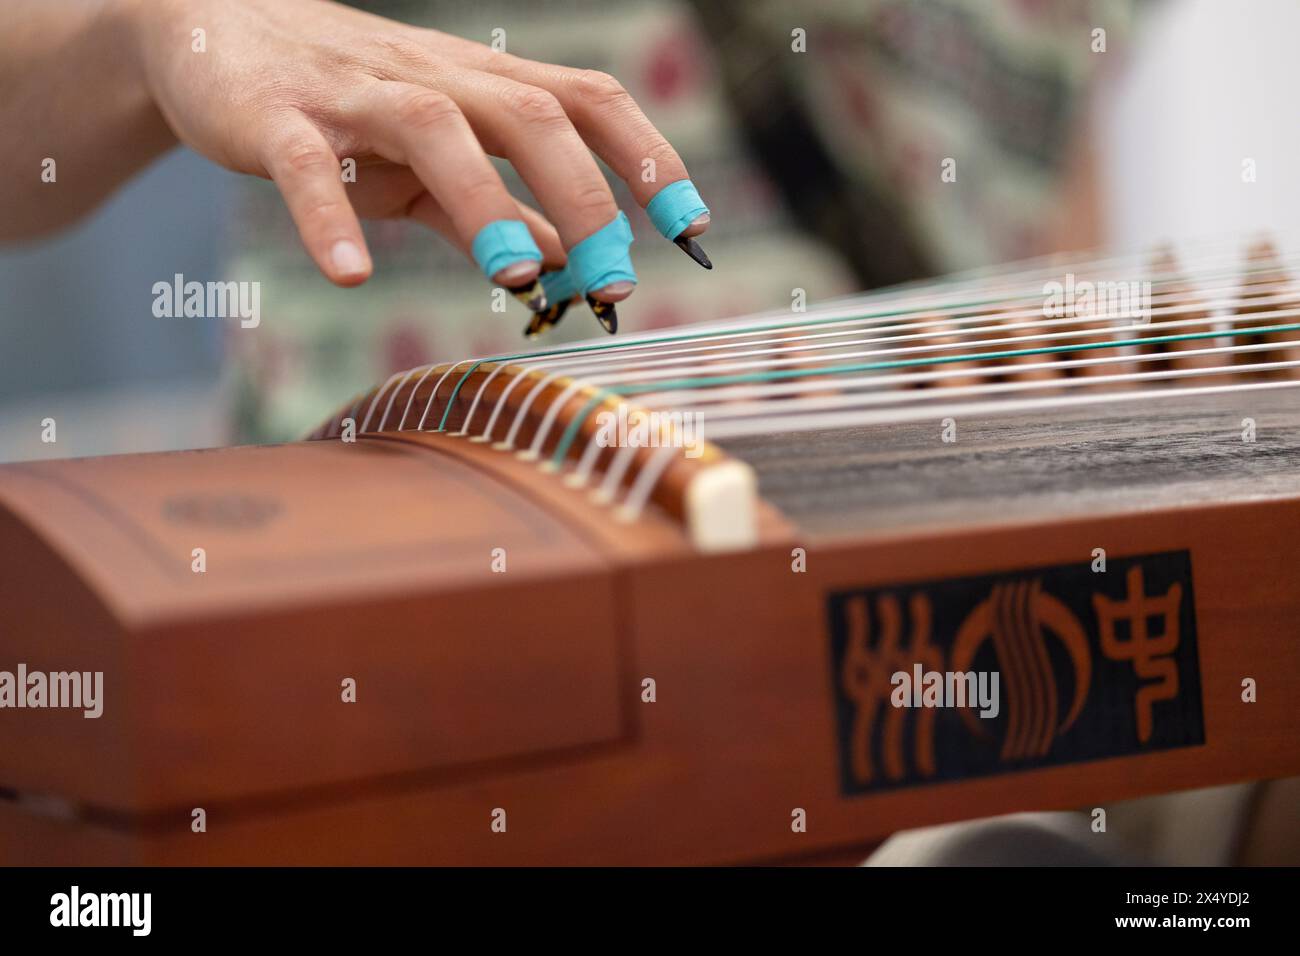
<point x="571" y="432"/>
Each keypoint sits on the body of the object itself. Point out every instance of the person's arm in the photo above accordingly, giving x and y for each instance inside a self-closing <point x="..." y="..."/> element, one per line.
<point x="287" y="89"/>
<point x="72" y="91"/>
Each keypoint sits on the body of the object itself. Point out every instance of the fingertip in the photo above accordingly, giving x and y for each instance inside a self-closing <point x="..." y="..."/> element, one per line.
<point x="348" y="282"/>
<point x="349" y="263"/>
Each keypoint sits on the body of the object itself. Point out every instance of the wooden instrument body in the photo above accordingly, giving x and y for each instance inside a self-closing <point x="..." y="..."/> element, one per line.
<point x="521" y="690"/>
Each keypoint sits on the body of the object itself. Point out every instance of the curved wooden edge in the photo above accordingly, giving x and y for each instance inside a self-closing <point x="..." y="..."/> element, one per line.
<point x="711" y="495"/>
<point x="655" y="533"/>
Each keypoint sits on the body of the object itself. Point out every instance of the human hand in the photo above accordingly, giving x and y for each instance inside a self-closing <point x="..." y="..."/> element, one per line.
<point x="285" y="89"/>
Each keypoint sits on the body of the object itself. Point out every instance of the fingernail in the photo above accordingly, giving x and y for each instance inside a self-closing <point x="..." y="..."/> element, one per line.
<point x="348" y="259"/>
<point x="546" y="319"/>
<point x="532" y="295"/>
<point x="605" y="314"/>
<point x="699" y="222"/>
<point x="615" y="291"/>
<point x="694" y="250"/>
<point x="517" y="273"/>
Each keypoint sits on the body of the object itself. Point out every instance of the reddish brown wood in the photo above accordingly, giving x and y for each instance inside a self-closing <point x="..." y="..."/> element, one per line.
<point x="519" y="691"/>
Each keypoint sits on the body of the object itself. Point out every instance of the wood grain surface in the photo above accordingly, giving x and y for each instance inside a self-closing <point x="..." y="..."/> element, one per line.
<point x="523" y="691"/>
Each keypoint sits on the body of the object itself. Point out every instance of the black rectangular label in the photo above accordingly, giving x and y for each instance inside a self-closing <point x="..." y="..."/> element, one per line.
<point x="1066" y="663"/>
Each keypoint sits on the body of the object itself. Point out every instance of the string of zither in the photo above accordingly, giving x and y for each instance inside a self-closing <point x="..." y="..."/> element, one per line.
<point x="748" y="328"/>
<point x="883" y="354"/>
<point x="756" y="324"/>
<point x="894" y="344"/>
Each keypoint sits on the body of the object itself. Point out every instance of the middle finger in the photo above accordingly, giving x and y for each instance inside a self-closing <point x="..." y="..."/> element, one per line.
<point x="528" y="126"/>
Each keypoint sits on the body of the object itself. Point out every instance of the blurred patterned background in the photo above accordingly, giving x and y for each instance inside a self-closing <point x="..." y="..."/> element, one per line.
<point x="1056" y="146"/>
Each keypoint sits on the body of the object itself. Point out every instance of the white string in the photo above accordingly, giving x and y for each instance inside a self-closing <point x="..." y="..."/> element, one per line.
<point x="1008" y="299"/>
<point x="788" y="344"/>
<point x="728" y="368"/>
<point x="767" y="407"/>
<point x="633" y="505"/>
<point x="942" y="293"/>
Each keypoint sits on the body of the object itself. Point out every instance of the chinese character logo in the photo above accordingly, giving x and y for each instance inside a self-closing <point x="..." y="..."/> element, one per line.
<point x="865" y="675"/>
<point x="1087" y="667"/>
<point x="1016" y="619"/>
<point x="1149" y="650"/>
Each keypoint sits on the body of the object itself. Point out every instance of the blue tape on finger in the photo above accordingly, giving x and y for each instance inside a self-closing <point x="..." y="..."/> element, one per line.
<point x="675" y="207"/>
<point x="559" y="286"/>
<point x="602" y="258"/>
<point x="501" y="243"/>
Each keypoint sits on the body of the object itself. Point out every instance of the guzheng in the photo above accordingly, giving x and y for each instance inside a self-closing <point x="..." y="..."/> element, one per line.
<point x="648" y="599"/>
